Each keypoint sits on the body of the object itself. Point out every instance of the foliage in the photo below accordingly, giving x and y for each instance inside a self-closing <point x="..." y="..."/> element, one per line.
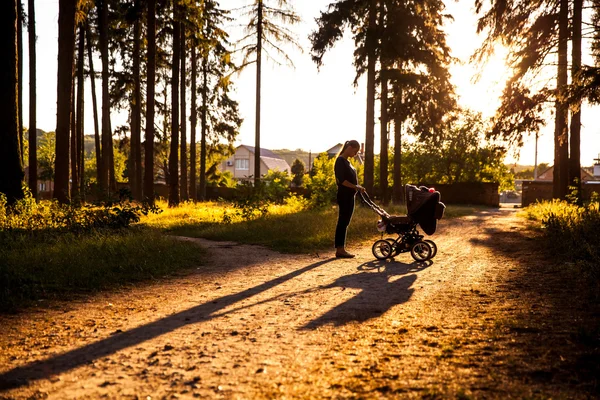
<point x="277" y="185"/>
<point x="571" y="232"/>
<point x="321" y="183"/>
<point x="460" y="155"/>
<point x="273" y="33"/>
<point x="298" y="170"/>
<point x="30" y="218"/>
<point x="46" y="155"/>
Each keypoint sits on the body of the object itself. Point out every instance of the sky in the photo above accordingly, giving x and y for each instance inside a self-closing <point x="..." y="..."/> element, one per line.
<point x="311" y="109"/>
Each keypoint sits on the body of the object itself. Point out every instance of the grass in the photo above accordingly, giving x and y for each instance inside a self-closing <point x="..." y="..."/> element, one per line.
<point x="289" y="228"/>
<point x="69" y="264"/>
<point x="571" y="234"/>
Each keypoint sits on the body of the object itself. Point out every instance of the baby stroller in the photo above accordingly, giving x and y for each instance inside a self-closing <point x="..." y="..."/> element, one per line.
<point x="424" y="208"/>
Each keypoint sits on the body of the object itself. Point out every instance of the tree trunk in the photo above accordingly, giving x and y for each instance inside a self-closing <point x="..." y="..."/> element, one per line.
<point x="259" y="29"/>
<point x="561" y="139"/>
<point x="104" y="181"/>
<point x="11" y="170"/>
<point x="383" y="158"/>
<point x="66" y="38"/>
<point x="135" y="175"/>
<point x="183" y="149"/>
<point x="74" y="146"/>
<point x="204" y="127"/>
<point x="575" y="142"/>
<point x="77" y="142"/>
<point x="193" y="123"/>
<point x="94" y="105"/>
<point x="20" y="79"/>
<point x="398" y="190"/>
<point x="33" y="185"/>
<point x="150" y="93"/>
<point x="173" y="159"/>
<point x="370" y="128"/>
<point x="80" y="106"/>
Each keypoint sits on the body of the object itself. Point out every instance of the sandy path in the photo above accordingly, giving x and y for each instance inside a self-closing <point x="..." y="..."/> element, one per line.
<point x="253" y="323"/>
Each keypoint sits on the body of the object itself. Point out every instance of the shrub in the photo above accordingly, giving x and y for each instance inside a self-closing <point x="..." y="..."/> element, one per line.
<point x="571" y="232"/>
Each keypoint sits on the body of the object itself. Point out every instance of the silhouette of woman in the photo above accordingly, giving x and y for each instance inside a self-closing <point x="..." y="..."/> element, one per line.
<point x="347" y="184"/>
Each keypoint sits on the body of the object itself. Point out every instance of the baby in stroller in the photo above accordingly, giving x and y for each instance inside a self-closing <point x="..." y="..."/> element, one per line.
<point x="424" y="208"/>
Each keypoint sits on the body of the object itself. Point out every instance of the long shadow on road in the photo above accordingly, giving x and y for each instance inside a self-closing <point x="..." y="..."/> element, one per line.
<point x="379" y="292"/>
<point x="43" y="369"/>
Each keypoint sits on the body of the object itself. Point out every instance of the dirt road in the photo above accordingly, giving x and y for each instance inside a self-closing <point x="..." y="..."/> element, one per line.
<point x="488" y="318"/>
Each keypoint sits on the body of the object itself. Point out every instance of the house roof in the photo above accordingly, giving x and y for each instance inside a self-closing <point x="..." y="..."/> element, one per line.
<point x="275" y="163"/>
<point x="548" y="175"/>
<point x="263" y="152"/>
<point x="335" y="149"/>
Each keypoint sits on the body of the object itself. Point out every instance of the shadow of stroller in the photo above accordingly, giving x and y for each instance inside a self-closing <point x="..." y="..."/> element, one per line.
<point x="379" y="292"/>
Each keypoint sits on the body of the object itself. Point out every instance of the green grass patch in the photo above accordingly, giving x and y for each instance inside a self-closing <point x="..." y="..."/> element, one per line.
<point x="33" y="268"/>
<point x="289" y="228"/>
<point x="571" y="233"/>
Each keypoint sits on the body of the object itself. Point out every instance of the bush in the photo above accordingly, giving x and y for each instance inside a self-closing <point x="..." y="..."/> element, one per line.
<point x="27" y="216"/>
<point x="572" y="232"/>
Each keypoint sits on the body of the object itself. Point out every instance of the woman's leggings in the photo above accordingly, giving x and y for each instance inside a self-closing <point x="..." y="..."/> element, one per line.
<point x="346" y="208"/>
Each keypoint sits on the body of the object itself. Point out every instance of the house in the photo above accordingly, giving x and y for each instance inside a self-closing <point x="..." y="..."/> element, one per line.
<point x="548" y="175"/>
<point x="241" y="164"/>
<point x="45" y="187"/>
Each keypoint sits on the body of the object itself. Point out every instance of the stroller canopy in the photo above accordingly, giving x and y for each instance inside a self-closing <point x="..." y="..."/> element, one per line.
<point x="424" y="207"/>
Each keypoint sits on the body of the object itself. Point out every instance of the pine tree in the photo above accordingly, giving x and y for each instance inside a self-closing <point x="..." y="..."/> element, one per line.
<point x="33" y="170"/>
<point x="11" y="170"/>
<point x="263" y="30"/>
<point x="66" y="38"/>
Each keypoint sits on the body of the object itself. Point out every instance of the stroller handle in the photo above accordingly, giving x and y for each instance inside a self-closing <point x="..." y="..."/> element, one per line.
<point x="367" y="200"/>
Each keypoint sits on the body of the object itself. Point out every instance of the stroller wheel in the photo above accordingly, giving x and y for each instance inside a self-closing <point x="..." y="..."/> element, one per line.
<point x="395" y="246"/>
<point x="433" y="247"/>
<point x="382" y="249"/>
<point x="421" y="251"/>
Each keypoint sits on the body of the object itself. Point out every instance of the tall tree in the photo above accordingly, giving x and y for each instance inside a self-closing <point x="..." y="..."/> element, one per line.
<point x="20" y="16"/>
<point x="104" y="178"/>
<point x="97" y="146"/>
<point x="219" y="113"/>
<point x="173" y="155"/>
<point x="536" y="34"/>
<point x="33" y="170"/>
<point x="263" y="30"/>
<point x="193" y="118"/>
<point x="561" y="135"/>
<point x="11" y="170"/>
<point x="371" y="44"/>
<point x="384" y="142"/>
<point x="416" y="56"/>
<point x="575" y="131"/>
<point x="79" y="125"/>
<point x="183" y="144"/>
<point x="135" y="174"/>
<point x="66" y="49"/>
<point x="150" y="103"/>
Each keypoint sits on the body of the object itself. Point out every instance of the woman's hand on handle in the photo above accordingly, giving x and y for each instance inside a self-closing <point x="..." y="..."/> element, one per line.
<point x="361" y="189"/>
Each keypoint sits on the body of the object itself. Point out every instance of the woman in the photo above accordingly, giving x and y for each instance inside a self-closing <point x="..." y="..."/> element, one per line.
<point x="347" y="183"/>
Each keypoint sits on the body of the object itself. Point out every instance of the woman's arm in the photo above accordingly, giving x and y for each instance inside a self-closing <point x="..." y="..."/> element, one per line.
<point x="353" y="186"/>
